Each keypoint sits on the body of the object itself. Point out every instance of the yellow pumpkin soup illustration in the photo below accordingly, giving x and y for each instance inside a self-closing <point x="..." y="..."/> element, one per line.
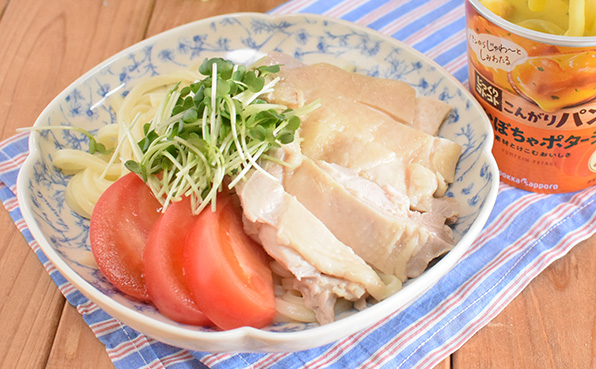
<point x="558" y="81"/>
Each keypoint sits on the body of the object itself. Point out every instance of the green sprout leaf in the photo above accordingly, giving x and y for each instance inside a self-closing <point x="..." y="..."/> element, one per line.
<point x="254" y="83"/>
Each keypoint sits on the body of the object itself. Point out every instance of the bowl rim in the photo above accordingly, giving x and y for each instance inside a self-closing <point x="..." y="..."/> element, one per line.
<point x="319" y="334"/>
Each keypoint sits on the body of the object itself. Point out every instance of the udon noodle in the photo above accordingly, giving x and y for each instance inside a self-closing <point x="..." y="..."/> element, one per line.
<point x="92" y="174"/>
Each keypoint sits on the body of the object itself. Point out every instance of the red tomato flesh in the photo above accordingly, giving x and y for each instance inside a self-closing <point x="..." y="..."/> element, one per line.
<point x="227" y="271"/>
<point x="163" y="260"/>
<point x="120" y="223"/>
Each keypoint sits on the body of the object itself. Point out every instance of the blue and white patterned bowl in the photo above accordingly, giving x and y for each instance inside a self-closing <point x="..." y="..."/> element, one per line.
<point x="63" y="236"/>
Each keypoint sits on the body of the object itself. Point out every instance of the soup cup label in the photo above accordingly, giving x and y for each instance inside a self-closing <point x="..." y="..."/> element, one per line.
<point x="541" y="101"/>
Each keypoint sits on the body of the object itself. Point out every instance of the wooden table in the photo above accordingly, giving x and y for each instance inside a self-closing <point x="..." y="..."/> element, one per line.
<point x="45" y="45"/>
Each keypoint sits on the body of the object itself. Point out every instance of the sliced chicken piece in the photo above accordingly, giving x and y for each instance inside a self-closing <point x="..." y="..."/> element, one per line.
<point x="443" y="211"/>
<point x="438" y="154"/>
<point x="384" y="240"/>
<point x="367" y="190"/>
<point x="355" y="136"/>
<point x="413" y="185"/>
<point x="385" y="95"/>
<point x="392" y="97"/>
<point x="422" y="185"/>
<point x="430" y="114"/>
<point x="395" y="98"/>
<point x="299" y="241"/>
<point x="320" y="291"/>
<point x="277" y="58"/>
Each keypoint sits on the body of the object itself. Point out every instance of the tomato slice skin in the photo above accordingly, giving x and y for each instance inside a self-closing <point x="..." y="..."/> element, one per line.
<point x="120" y="223"/>
<point x="227" y="271"/>
<point x="163" y="259"/>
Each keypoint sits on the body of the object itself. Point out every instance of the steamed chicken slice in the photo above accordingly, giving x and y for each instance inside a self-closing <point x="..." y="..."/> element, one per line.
<point x="332" y="131"/>
<point x="392" y="154"/>
<point x="430" y="114"/>
<point x="384" y="240"/>
<point x="319" y="291"/>
<point x="324" y="266"/>
<point x="395" y="98"/>
<point x="442" y="211"/>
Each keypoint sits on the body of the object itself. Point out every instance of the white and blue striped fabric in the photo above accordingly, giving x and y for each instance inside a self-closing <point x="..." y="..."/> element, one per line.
<point x="525" y="233"/>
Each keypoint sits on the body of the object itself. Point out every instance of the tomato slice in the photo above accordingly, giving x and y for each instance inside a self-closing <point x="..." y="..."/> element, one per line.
<point x="163" y="260"/>
<point x="227" y="271"/>
<point x="120" y="223"/>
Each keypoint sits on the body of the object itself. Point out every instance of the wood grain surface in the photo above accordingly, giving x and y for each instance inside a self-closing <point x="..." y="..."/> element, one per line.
<point x="46" y="45"/>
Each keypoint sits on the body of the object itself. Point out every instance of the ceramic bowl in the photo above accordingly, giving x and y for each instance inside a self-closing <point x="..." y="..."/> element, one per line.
<point x="63" y="236"/>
